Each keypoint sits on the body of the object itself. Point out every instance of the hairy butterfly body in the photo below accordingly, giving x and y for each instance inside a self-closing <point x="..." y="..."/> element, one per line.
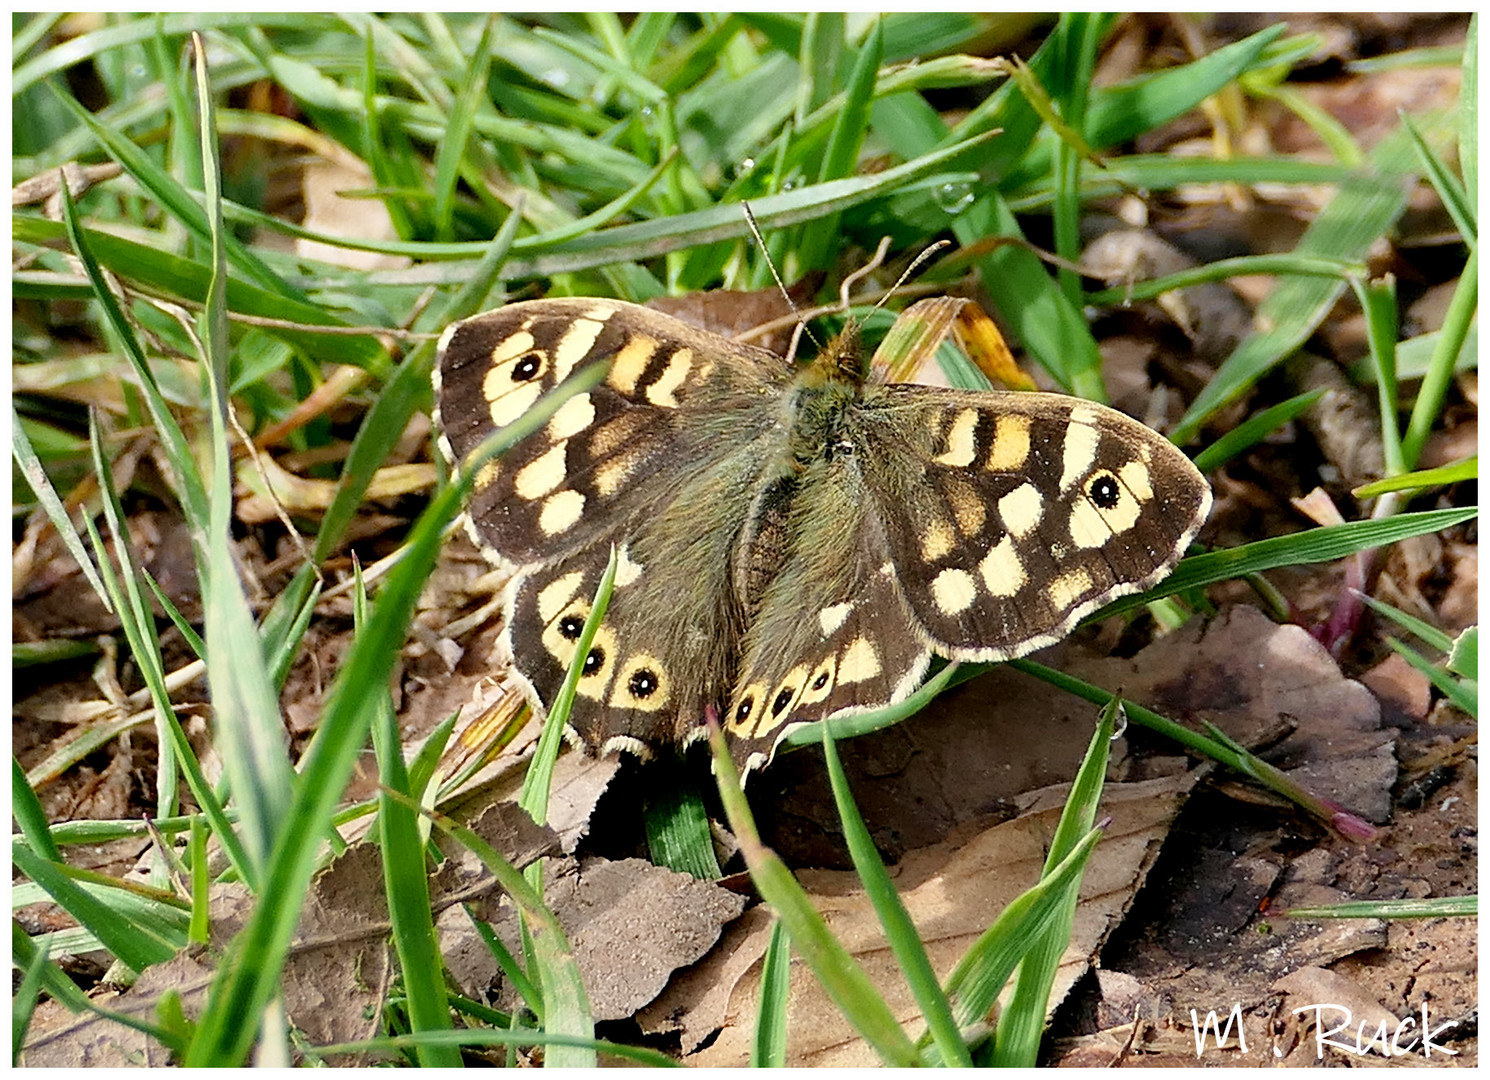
<point x="793" y="543"/>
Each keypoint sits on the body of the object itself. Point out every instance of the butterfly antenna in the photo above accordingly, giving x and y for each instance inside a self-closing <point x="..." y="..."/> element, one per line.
<point x="915" y="265"/>
<point x="761" y="243"/>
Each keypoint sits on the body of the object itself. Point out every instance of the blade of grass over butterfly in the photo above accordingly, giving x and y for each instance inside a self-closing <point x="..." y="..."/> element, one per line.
<point x="900" y="931"/>
<point x="845" y="727"/>
<point x="247" y="723"/>
<point x="1361" y="211"/>
<point x="836" y="970"/>
<point x="1469" y="117"/>
<point x="540" y="774"/>
<point x="768" y="1047"/>
<point x="1324" y="544"/>
<point x="1017" y="1042"/>
<point x="248" y="977"/>
<point x="404" y="393"/>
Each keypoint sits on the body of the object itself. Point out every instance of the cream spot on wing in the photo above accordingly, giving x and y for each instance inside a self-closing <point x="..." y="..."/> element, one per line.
<point x="1079" y="449"/>
<point x="1022" y="509"/>
<point x="560" y="511"/>
<point x="600" y="312"/>
<point x="820" y="683"/>
<point x="627" y="571"/>
<point x="487" y="475"/>
<point x="513" y="402"/>
<point x="555" y="596"/>
<point x="961" y="449"/>
<point x="660" y="390"/>
<point x="1135" y="477"/>
<point x="937" y="540"/>
<point x="642" y="685"/>
<point x="835" y="615"/>
<point x="509" y="349"/>
<point x="615" y="433"/>
<point x="1001" y="569"/>
<point x="541" y="475"/>
<point x="1069" y="588"/>
<point x="970" y="511"/>
<point x="954" y="591"/>
<point x="575" y="345"/>
<point x="860" y="662"/>
<point x="1088" y="527"/>
<point x="612" y="473"/>
<point x="627" y="368"/>
<point x="573" y="416"/>
<point x="1011" y="444"/>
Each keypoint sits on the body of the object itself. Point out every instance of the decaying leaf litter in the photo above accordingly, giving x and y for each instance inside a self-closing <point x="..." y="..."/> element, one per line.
<point x="1179" y="900"/>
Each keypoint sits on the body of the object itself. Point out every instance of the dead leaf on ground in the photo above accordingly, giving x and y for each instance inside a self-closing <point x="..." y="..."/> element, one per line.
<point x="953" y="892"/>
<point x="630" y="924"/>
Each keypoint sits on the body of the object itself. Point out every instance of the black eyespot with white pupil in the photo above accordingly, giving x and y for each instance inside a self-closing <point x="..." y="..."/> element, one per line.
<point x="1104" y="491"/>
<point x="528" y="367"/>
<point x="821" y="680"/>
<point x="783" y="699"/>
<point x="643" y="684"/>
<point x="742" y="711"/>
<point x="594" y="660"/>
<point x="570" y="626"/>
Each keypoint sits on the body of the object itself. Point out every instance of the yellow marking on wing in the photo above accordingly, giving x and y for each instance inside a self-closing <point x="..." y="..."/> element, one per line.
<point x="560" y="511"/>
<point x="954" y="591"/>
<point x="742" y="725"/>
<point x="970" y="511"/>
<point x="833" y="616"/>
<point x="1089" y="528"/>
<point x="1002" y="570"/>
<point x="541" y="475"/>
<point x="1011" y="444"/>
<point x="660" y="391"/>
<point x="1079" y="448"/>
<point x="820" y="682"/>
<point x="860" y="662"/>
<point x="512" y="403"/>
<point x="615" y="471"/>
<point x="593" y="684"/>
<point x="1022" y="509"/>
<point x="627" y="570"/>
<point x="555" y="596"/>
<point x="572" y="417"/>
<point x="1069" y="588"/>
<point x="937" y="540"/>
<point x="642" y="685"/>
<point x="961" y="448"/>
<point x="487" y="475"/>
<point x="630" y="363"/>
<point x="575" y="345"/>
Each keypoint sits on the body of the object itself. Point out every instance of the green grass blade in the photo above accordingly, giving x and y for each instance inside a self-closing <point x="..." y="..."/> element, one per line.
<point x="23" y="1004"/>
<point x="1469" y="116"/>
<point x="838" y="972"/>
<point x="1450" y="191"/>
<point x="468" y="100"/>
<point x="678" y="836"/>
<point x="900" y="931"/>
<point x="1430" y="907"/>
<point x="25" y="807"/>
<point x="41" y="485"/>
<point x="1361" y="211"/>
<point x="1311" y="546"/>
<point x="1017" y="1042"/>
<point x="768" y="1047"/>
<point x="1463" y="695"/>
<point x="1457" y="473"/>
<point x="1464" y="657"/>
<point x="1430" y="635"/>
<point x="1456" y="328"/>
<point x="1254" y="430"/>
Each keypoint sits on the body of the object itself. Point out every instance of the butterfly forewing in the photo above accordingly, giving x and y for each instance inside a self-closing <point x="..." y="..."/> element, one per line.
<point x="606" y="454"/>
<point x="1027" y="511"/>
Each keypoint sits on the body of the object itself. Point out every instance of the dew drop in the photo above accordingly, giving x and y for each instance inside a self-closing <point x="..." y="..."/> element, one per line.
<point x="954" y="197"/>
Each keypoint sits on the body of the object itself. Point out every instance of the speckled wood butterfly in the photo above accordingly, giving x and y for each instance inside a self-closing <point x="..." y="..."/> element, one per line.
<point x="793" y="542"/>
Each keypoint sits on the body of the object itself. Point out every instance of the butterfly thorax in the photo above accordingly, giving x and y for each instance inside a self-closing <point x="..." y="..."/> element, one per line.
<point x="822" y="396"/>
